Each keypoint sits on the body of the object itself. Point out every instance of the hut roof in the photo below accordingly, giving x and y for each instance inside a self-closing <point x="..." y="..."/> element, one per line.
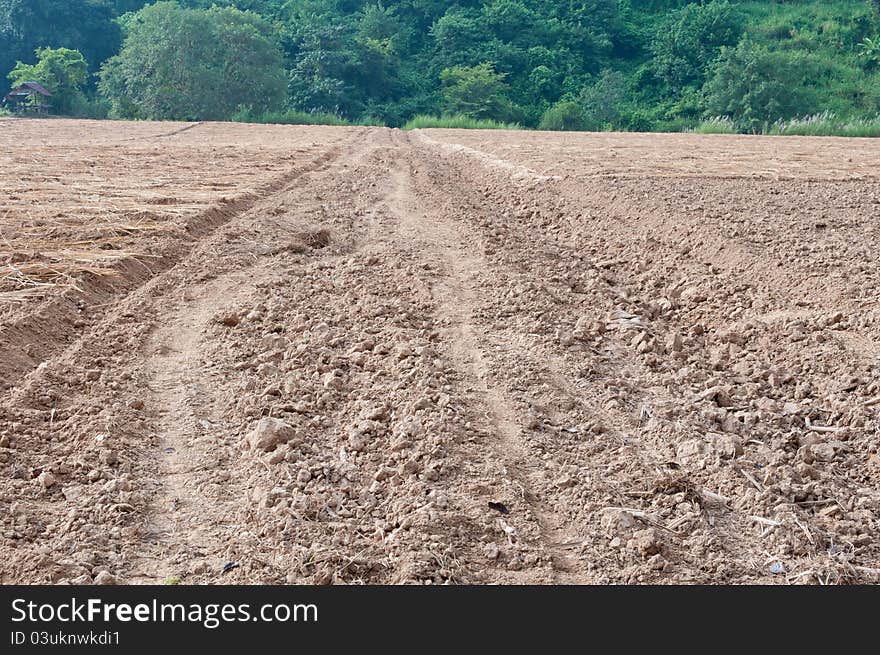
<point x="29" y="88"/>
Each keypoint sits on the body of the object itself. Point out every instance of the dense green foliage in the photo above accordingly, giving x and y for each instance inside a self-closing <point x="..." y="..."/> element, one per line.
<point x="63" y="72"/>
<point x="85" y="25"/>
<point x="732" y="65"/>
<point x="186" y="64"/>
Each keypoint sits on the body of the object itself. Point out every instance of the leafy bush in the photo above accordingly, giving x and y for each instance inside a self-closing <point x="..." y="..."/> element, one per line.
<point x="869" y="52"/>
<point x="604" y="102"/>
<point x="565" y="116"/>
<point x="477" y="92"/>
<point x="637" y="120"/>
<point x="683" y="49"/>
<point x="93" y="108"/>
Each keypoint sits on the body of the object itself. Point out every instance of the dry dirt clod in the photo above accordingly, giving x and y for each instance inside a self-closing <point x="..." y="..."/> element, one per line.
<point x="645" y="542"/>
<point x="229" y="319"/>
<point x="105" y="578"/>
<point x="269" y="433"/>
<point x="46" y="480"/>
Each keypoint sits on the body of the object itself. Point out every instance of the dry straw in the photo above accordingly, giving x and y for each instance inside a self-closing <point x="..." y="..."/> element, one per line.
<point x="33" y="263"/>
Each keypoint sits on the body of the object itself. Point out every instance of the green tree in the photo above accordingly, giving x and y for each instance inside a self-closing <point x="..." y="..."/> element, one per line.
<point x="605" y="102"/>
<point x="686" y="45"/>
<point x="62" y="71"/>
<point x="756" y="86"/>
<point x="476" y="92"/>
<point x="511" y="20"/>
<point x="347" y="65"/>
<point x="458" y="35"/>
<point x="84" y="25"/>
<point x="194" y="64"/>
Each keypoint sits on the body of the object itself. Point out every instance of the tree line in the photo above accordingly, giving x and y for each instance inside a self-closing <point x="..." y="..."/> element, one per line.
<point x="552" y="64"/>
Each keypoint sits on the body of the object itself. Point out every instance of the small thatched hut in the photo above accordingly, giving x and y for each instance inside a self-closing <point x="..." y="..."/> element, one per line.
<point x="29" y="97"/>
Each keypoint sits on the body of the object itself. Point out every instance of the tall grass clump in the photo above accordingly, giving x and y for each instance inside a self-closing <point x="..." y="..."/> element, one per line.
<point x="294" y="117"/>
<point x="457" y="122"/>
<point x="716" y="125"/>
<point x="827" y="124"/>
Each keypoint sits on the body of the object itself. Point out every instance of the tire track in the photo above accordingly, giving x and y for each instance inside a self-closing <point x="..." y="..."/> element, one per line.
<point x="457" y="298"/>
<point x="190" y="514"/>
<point x="188" y="517"/>
<point x="51" y="329"/>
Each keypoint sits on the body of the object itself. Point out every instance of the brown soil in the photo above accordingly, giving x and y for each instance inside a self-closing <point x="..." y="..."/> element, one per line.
<point x="356" y="355"/>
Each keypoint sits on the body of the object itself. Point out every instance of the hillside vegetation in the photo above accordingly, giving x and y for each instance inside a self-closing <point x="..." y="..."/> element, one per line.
<point x="734" y="66"/>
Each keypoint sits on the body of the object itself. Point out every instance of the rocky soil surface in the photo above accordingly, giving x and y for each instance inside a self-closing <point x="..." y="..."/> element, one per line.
<point x="444" y="357"/>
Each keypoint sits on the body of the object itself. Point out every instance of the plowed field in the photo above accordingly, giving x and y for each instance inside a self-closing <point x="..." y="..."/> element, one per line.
<point x="313" y="355"/>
